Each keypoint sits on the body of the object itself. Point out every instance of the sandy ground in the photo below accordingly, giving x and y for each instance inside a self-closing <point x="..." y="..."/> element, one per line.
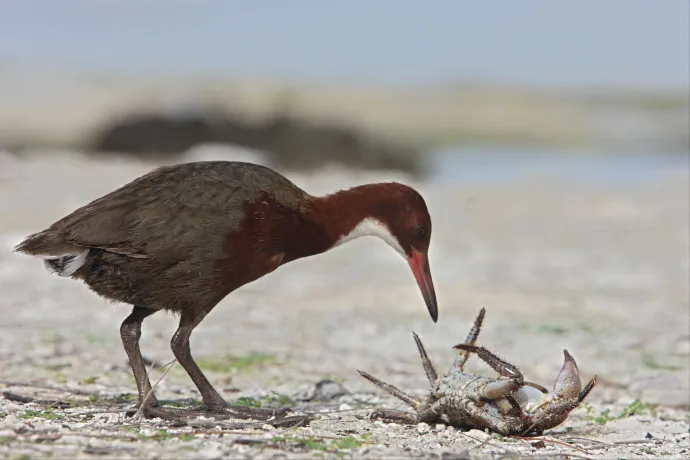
<point x="601" y="270"/>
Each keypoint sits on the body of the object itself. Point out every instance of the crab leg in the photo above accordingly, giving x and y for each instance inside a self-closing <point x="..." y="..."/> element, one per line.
<point x="395" y="391"/>
<point x="537" y="386"/>
<point x="585" y="391"/>
<point x="504" y="369"/>
<point x="512" y="378"/>
<point x="429" y="368"/>
<point x="472" y="337"/>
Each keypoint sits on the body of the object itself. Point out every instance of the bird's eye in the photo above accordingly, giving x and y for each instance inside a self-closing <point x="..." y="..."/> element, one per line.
<point x="420" y="232"/>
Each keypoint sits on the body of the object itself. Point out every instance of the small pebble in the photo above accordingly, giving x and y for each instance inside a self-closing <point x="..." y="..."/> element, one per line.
<point x="674" y="397"/>
<point x="423" y="428"/>
<point x="212" y="450"/>
<point x="682" y="348"/>
<point x="344" y="407"/>
<point x="440" y="427"/>
<point x="7" y="435"/>
<point x="478" y="434"/>
<point x="11" y="421"/>
<point x="326" y="390"/>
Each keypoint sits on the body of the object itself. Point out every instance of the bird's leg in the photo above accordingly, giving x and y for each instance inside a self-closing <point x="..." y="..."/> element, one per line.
<point x="130" y="332"/>
<point x="213" y="402"/>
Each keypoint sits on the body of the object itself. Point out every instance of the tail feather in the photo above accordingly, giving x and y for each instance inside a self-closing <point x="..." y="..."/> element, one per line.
<point x="46" y="244"/>
<point x="60" y="257"/>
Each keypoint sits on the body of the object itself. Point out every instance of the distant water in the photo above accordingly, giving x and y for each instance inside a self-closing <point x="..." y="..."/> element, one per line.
<point x="489" y="165"/>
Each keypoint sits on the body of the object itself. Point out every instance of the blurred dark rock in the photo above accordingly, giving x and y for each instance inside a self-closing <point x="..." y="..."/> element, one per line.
<point x="286" y="140"/>
<point x="323" y="390"/>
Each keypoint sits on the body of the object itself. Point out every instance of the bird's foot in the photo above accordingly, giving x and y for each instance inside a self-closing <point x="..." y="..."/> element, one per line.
<point x="242" y="412"/>
<point x="279" y="418"/>
<point x="155" y="411"/>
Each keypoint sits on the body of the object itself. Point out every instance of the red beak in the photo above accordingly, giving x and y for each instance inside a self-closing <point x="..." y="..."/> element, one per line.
<point x="419" y="263"/>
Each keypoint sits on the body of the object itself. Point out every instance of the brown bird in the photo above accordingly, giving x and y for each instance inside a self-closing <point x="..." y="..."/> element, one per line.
<point x="182" y="237"/>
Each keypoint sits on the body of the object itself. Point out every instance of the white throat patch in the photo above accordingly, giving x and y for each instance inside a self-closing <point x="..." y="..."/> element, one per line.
<point x="372" y="227"/>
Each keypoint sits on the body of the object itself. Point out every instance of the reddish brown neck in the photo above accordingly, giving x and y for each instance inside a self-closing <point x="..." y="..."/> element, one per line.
<point x="340" y="212"/>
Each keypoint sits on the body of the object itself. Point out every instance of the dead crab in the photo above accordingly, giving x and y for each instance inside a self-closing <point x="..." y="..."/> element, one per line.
<point x="507" y="405"/>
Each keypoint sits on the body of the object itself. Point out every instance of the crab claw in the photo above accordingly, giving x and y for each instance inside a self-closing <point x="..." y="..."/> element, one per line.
<point x="566" y="388"/>
<point x="550" y="411"/>
<point x="568" y="384"/>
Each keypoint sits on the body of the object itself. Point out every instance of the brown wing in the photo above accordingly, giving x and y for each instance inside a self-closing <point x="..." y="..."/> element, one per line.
<point x="170" y="211"/>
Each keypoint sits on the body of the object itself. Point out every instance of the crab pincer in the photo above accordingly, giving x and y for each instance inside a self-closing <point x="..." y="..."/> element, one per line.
<point x="548" y="411"/>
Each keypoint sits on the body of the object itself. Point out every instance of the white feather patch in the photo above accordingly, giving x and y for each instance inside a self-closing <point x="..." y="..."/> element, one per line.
<point x="372" y="227"/>
<point x="67" y="264"/>
<point x="55" y="256"/>
<point x="74" y="264"/>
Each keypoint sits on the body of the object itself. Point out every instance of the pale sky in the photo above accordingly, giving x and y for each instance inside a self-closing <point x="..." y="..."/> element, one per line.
<point x="411" y="41"/>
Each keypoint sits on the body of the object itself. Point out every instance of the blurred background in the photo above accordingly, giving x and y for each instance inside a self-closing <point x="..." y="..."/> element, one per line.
<point x="438" y="89"/>
<point x="549" y="139"/>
